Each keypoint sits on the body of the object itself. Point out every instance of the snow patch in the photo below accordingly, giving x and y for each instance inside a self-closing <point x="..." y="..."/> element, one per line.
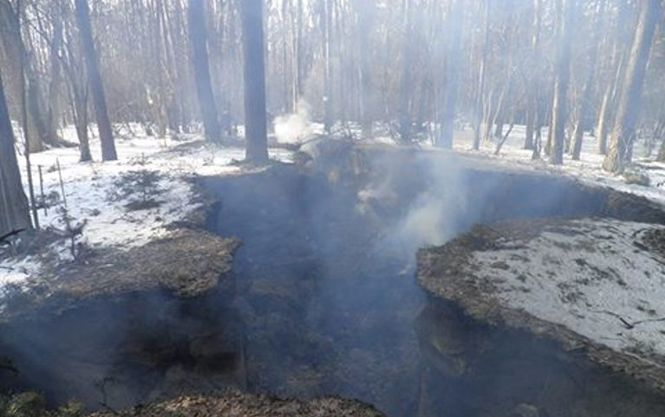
<point x="589" y="276"/>
<point x="89" y="188"/>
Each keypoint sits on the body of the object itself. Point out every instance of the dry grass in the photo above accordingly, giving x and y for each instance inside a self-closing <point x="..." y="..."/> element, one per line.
<point x="237" y="404"/>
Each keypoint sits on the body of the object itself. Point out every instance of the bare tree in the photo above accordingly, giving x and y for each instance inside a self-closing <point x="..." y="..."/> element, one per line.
<point x="95" y="80"/>
<point x="199" y="45"/>
<point x="482" y="76"/>
<point x="559" y="105"/>
<point x="25" y="89"/>
<point x="621" y="141"/>
<point x="256" y="134"/>
<point x="406" y="80"/>
<point x="74" y="69"/>
<point x="453" y="64"/>
<point x="14" y="210"/>
<point x="533" y="80"/>
<point x="588" y="87"/>
<point x="327" y="24"/>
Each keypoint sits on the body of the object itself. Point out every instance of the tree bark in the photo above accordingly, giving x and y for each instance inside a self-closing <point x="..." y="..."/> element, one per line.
<point x="73" y="68"/>
<point x="454" y="49"/>
<point x="659" y="134"/>
<point x="622" y="37"/>
<point x="533" y="95"/>
<point x="327" y="66"/>
<point x="365" y="23"/>
<point x="587" y="90"/>
<point x="16" y="54"/>
<point x="198" y="37"/>
<point x="559" y="105"/>
<point x="14" y="208"/>
<point x="631" y="91"/>
<point x="54" y="89"/>
<point x="480" y="93"/>
<point x="603" y="120"/>
<point x="406" y="81"/>
<point x="255" y="90"/>
<point x="95" y="81"/>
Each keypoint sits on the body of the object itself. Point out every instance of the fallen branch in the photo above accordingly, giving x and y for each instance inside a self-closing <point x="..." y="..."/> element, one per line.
<point x="10" y="234"/>
<point x="630" y="325"/>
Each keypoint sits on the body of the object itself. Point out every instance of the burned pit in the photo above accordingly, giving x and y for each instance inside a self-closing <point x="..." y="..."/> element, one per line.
<point x="323" y="301"/>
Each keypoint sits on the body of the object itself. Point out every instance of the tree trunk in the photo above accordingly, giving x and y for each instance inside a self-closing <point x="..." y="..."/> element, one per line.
<point x="14" y="209"/>
<point x="365" y="23"/>
<point x="406" y="81"/>
<point x="80" y="111"/>
<point x="327" y="66"/>
<point x="16" y="54"/>
<point x="661" y="151"/>
<point x="587" y="90"/>
<point x="255" y="90"/>
<point x="533" y="94"/>
<point x="631" y="91"/>
<point x="659" y="134"/>
<point x="454" y="52"/>
<point x="603" y="120"/>
<point x="530" y="124"/>
<point x="54" y="89"/>
<point x="198" y="40"/>
<point x="95" y="81"/>
<point x="39" y="126"/>
<point x="480" y="93"/>
<point x="559" y="105"/>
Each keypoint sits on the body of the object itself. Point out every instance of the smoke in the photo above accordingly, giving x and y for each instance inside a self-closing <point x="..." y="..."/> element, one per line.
<point x="438" y="213"/>
<point x="429" y="206"/>
<point x="294" y="128"/>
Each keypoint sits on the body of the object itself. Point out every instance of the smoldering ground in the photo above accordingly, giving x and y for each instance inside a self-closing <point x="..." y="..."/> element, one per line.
<point x="324" y="299"/>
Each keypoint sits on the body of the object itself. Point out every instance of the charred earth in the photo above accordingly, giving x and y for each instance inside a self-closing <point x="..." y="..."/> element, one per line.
<point x="322" y="301"/>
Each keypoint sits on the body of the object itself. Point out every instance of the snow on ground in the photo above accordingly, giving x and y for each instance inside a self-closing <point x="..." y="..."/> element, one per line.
<point x="588" y="169"/>
<point x="93" y="191"/>
<point x="588" y="276"/>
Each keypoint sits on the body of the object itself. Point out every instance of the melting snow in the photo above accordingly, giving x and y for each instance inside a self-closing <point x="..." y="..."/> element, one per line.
<point x="588" y="169"/>
<point x="589" y="276"/>
<point x="88" y="188"/>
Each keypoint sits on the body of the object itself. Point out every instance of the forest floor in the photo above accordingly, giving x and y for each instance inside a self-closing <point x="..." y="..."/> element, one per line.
<point x="644" y="177"/>
<point x="97" y="214"/>
<point x="139" y="222"/>
<point x="149" y="193"/>
<point x="236" y="404"/>
<point x="596" y="285"/>
<point x="593" y="284"/>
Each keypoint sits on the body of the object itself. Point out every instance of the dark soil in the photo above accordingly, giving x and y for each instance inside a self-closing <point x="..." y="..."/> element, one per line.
<point x="654" y="240"/>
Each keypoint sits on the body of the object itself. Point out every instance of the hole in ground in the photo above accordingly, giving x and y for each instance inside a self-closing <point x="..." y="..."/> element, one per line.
<point x="326" y="303"/>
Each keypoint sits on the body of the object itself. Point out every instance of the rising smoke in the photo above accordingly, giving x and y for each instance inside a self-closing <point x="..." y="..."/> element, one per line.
<point x="432" y="209"/>
<point x="294" y="128"/>
<point x="437" y="213"/>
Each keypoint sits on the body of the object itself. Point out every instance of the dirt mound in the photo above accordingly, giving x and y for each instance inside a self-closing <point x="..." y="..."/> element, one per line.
<point x="237" y="404"/>
<point x="187" y="263"/>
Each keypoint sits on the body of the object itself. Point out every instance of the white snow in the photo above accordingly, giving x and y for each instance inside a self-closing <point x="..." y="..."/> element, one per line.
<point x="588" y="169"/>
<point x="88" y="186"/>
<point x="588" y="276"/>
